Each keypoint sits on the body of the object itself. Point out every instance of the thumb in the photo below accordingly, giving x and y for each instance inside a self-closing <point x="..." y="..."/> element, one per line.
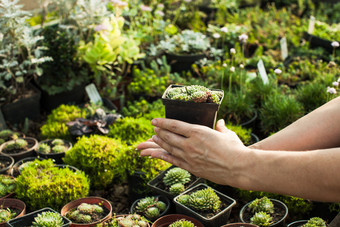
<point x="220" y="126"/>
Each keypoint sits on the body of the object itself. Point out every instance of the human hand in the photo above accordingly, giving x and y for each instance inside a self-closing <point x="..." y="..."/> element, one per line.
<point x="207" y="153"/>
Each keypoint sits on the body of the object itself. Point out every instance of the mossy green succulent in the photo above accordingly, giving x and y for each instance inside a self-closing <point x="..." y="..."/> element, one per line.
<point x="58" y="149"/>
<point x="261" y="219"/>
<point x="315" y="222"/>
<point x="48" y="219"/>
<point x="7" y="185"/>
<point x="134" y="220"/>
<point x="263" y="204"/>
<point x="7" y="134"/>
<point x="194" y="93"/>
<point x="85" y="213"/>
<point x="176" y="175"/>
<point x="182" y="223"/>
<point x="150" y="207"/>
<point x="177" y="189"/>
<point x="44" y="148"/>
<point x="202" y="200"/>
<point x="6" y="215"/>
<point x="86" y="208"/>
<point x="56" y="142"/>
<point x="18" y="144"/>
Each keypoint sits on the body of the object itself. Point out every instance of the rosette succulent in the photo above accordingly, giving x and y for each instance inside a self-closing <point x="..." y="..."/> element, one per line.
<point x="261" y="219"/>
<point x="263" y="204"/>
<point x="8" y="134"/>
<point x="315" y="222"/>
<point x="182" y="223"/>
<point x="48" y="219"/>
<point x="150" y="207"/>
<point x="176" y="175"/>
<point x="18" y="144"/>
<point x="84" y="213"/>
<point x="135" y="220"/>
<point x="44" y="148"/>
<point x="177" y="188"/>
<point x="202" y="200"/>
<point x="6" y="215"/>
<point x="7" y="185"/>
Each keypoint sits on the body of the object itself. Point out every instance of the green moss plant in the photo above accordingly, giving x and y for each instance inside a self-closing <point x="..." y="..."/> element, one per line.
<point x="243" y="133"/>
<point x="48" y="219"/>
<point x="44" y="185"/>
<point x="98" y="157"/>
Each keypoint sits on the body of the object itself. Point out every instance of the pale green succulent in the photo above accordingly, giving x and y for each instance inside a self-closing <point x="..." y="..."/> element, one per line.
<point x="48" y="219"/>
<point x="261" y="219"/>
<point x="315" y="222"/>
<point x="7" y="185"/>
<point x="176" y="175"/>
<point x="57" y="142"/>
<point x="263" y="204"/>
<point x="44" y="148"/>
<point x="16" y="145"/>
<point x="182" y="223"/>
<point x="58" y="149"/>
<point x="203" y="200"/>
<point x="134" y="220"/>
<point x="86" y="208"/>
<point x="150" y="207"/>
<point x="152" y="212"/>
<point x="6" y="215"/>
<point x="176" y="189"/>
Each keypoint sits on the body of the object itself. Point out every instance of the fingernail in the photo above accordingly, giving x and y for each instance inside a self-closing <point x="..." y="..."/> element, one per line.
<point x="222" y="121"/>
<point x="154" y="122"/>
<point x="156" y="129"/>
<point x="155" y="138"/>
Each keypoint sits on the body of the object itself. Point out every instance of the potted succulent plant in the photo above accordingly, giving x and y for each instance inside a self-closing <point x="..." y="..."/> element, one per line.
<point x="239" y="225"/>
<point x="6" y="163"/>
<point x="314" y="221"/>
<point x="206" y="204"/>
<point x="20" y="165"/>
<point x="135" y="220"/>
<point x="88" y="211"/>
<point x="40" y="218"/>
<point x="173" y="181"/>
<point x="151" y="207"/>
<point x="9" y="209"/>
<point x="54" y="149"/>
<point x="19" y="148"/>
<point x="264" y="212"/>
<point x="7" y="134"/>
<point x="7" y="186"/>
<point x="177" y="220"/>
<point x="193" y="104"/>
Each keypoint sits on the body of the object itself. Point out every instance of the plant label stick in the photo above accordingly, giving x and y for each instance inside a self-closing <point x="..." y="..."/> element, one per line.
<point x="311" y="25"/>
<point x="93" y="93"/>
<point x="263" y="73"/>
<point x="284" y="48"/>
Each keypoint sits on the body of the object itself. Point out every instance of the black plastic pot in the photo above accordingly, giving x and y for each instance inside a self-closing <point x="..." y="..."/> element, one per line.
<point x="315" y="41"/>
<point x="27" y="219"/>
<point x="155" y="184"/>
<point x="30" y="152"/>
<point x="28" y="107"/>
<point x="180" y="63"/>
<point x="137" y="186"/>
<point x="277" y="205"/>
<point x="217" y="220"/>
<point x="160" y="198"/>
<point x="297" y="223"/>
<point x="57" y="157"/>
<point x="10" y="162"/>
<point x="191" y="112"/>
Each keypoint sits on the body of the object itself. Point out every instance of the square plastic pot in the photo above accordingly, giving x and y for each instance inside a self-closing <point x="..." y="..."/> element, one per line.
<point x="27" y="219"/>
<point x="219" y="219"/>
<point x="191" y="112"/>
<point x="154" y="184"/>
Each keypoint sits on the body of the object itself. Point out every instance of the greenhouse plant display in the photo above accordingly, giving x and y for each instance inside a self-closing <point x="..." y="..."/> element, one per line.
<point x="151" y="207"/>
<point x="19" y="148"/>
<point x="88" y="211"/>
<point x="193" y="104"/>
<point x="6" y="163"/>
<point x="264" y="212"/>
<point x="61" y="185"/>
<point x="11" y="208"/>
<point x="126" y="220"/>
<point x="39" y="218"/>
<point x="7" y="186"/>
<point x="177" y="220"/>
<point x="173" y="181"/>
<point x="204" y="203"/>
<point x="54" y="149"/>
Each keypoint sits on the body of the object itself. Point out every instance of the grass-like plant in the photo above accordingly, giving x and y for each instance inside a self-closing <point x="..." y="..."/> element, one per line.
<point x="55" y="187"/>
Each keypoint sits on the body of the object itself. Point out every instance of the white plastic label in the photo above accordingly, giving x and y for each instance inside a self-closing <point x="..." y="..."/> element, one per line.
<point x="284" y="48"/>
<point x="311" y="25"/>
<point x="93" y="93"/>
<point x="263" y="73"/>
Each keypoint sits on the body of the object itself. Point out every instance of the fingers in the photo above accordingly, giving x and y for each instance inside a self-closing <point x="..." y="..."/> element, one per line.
<point x="220" y="126"/>
<point x="175" y="126"/>
<point x="170" y="147"/>
<point x="148" y="144"/>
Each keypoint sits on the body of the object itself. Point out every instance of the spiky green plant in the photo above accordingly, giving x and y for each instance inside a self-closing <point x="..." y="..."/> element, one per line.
<point x="150" y="207"/>
<point x="7" y="185"/>
<point x="58" y="149"/>
<point x="202" y="200"/>
<point x="261" y="219"/>
<point x="48" y="219"/>
<point x="44" y="148"/>
<point x="18" y="144"/>
<point x="263" y="204"/>
<point x="176" y="175"/>
<point x="177" y="188"/>
<point x="182" y="223"/>
<point x="315" y="222"/>
<point x="6" y="215"/>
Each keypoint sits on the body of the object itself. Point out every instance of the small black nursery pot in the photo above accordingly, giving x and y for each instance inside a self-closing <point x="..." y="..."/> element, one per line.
<point x="202" y="113"/>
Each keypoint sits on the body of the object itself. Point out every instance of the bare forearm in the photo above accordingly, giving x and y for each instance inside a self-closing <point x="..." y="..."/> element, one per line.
<point x="319" y="129"/>
<point x="310" y="175"/>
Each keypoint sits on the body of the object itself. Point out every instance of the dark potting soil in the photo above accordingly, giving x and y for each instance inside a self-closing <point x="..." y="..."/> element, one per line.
<point x="94" y="217"/>
<point x="4" y="163"/>
<point x="279" y="213"/>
